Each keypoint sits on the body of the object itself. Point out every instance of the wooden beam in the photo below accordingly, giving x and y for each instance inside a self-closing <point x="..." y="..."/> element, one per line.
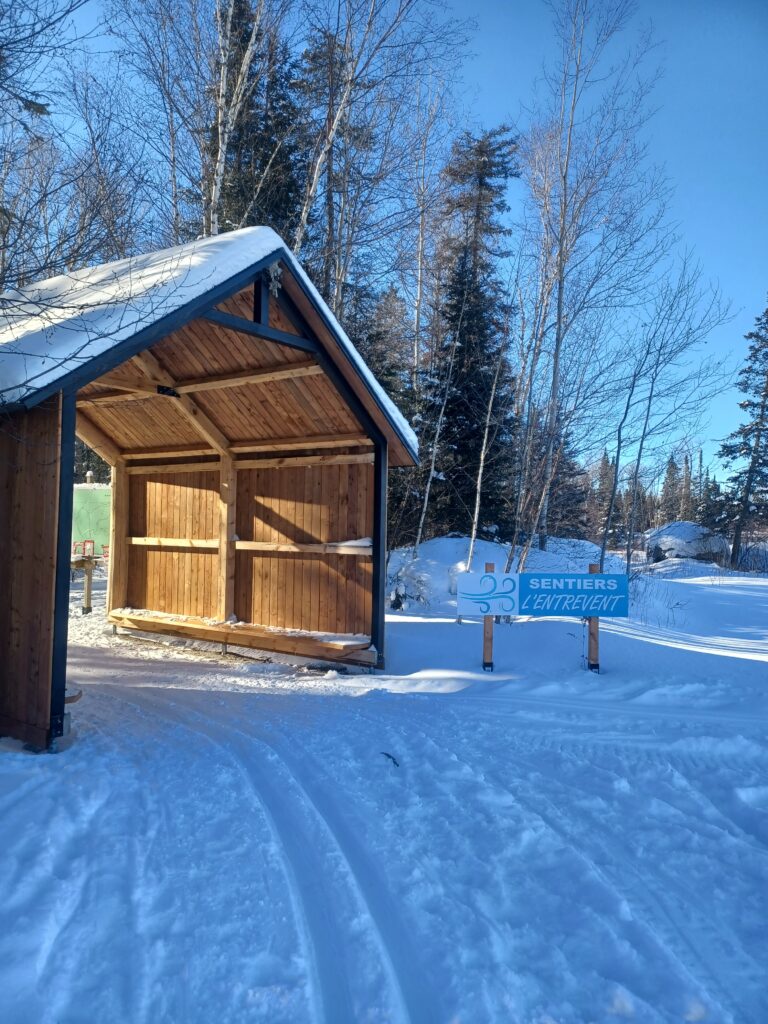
<point x="128" y="382"/>
<point x="295" y="461"/>
<point x="113" y="396"/>
<point x="131" y="454"/>
<point x="263" y="331"/>
<point x="227" y="514"/>
<point x="354" y="649"/>
<point x="328" y="548"/>
<point x="96" y="439"/>
<point x="308" y="368"/>
<point x="279" y="444"/>
<point x="187" y="543"/>
<point x="319" y="441"/>
<point x="186" y="405"/>
<point x="117" y="585"/>
<point x="175" y="467"/>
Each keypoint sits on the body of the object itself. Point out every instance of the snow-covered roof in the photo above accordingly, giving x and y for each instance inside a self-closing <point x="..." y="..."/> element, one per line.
<point x="56" y="327"/>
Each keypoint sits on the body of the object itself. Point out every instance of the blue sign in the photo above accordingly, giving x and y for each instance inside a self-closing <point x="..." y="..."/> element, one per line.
<point x="570" y="593"/>
<point x="487" y="593"/>
<point x="543" y="593"/>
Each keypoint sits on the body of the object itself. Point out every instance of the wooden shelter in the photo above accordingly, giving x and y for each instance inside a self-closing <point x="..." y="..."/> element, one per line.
<point x="249" y="447"/>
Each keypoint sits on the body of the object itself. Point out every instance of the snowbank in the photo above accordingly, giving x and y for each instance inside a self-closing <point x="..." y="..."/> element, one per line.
<point x="686" y="540"/>
<point x="430" y="579"/>
<point x="233" y="841"/>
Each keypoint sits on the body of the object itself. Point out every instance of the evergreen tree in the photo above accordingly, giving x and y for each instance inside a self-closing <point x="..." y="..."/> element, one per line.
<point x="266" y="154"/>
<point x="669" y="505"/>
<point x="686" y="492"/>
<point x="599" y="497"/>
<point x="474" y="315"/>
<point x="712" y="509"/>
<point x="86" y="460"/>
<point x="570" y="496"/>
<point x="747" y="447"/>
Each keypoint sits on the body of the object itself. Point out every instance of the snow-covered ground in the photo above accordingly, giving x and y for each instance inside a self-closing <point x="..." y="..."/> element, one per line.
<point x="228" y="840"/>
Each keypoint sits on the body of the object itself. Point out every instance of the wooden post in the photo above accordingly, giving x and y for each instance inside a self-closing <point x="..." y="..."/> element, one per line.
<point x="593" y="642"/>
<point x="88" y="587"/>
<point x="379" y="549"/>
<point x="227" y="512"/>
<point x="117" y="585"/>
<point x="488" y="632"/>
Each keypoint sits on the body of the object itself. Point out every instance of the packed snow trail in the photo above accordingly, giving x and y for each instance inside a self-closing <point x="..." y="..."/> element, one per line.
<point x="228" y="841"/>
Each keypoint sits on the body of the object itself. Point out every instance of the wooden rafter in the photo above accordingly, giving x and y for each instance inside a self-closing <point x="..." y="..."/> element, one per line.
<point x="186" y="405"/>
<point x="111" y="397"/>
<point x="259" y="330"/>
<point x="122" y="391"/>
<point x="95" y="438"/>
<point x="309" y="368"/>
<point x="128" y="382"/>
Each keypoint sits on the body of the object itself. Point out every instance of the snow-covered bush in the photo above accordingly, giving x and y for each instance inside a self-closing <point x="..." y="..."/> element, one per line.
<point x="754" y="557"/>
<point x="407" y="586"/>
<point x="686" y="540"/>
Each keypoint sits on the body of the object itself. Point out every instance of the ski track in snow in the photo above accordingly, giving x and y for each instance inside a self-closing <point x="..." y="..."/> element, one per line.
<point x="229" y="842"/>
<point x="705" y="951"/>
<point x="295" y="824"/>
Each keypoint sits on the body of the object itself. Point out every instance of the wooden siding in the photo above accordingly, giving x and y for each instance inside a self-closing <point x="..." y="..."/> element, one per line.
<point x="29" y="504"/>
<point x="309" y="504"/>
<point x="181" y="505"/>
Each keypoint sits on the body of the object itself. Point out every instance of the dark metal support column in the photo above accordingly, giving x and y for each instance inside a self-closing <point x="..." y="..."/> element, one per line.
<point x="379" y="549"/>
<point x="63" y="551"/>
<point x="261" y="300"/>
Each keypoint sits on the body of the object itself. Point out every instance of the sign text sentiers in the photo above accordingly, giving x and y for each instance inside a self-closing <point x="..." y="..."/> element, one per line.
<point x="543" y="593"/>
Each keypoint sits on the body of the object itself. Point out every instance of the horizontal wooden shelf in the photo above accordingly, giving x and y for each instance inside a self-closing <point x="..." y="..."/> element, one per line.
<point x="275" y="548"/>
<point x="354" y="649"/>
<point x="306" y="461"/>
<point x="329" y="548"/>
<point x="185" y="543"/>
<point x="284" y="462"/>
<point x="174" y="467"/>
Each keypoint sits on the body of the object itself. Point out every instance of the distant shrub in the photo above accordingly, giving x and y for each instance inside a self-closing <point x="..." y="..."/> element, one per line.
<point x="754" y="557"/>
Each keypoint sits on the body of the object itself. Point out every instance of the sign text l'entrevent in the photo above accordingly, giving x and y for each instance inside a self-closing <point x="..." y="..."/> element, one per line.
<point x="541" y="594"/>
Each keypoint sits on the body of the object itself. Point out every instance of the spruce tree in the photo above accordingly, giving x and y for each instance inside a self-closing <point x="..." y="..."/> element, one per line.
<point x="747" y="447"/>
<point x="712" y="508"/>
<point x="266" y="154"/>
<point x="605" y="474"/>
<point x="474" y="315"/>
<point x="669" y="505"/>
<point x="686" y="492"/>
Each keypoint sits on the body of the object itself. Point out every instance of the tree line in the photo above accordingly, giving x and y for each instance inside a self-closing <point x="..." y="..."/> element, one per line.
<point x="519" y="290"/>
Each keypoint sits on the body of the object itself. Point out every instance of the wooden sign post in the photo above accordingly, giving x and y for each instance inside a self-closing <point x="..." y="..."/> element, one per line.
<point x="587" y="596"/>
<point x="593" y="642"/>
<point x="488" y="631"/>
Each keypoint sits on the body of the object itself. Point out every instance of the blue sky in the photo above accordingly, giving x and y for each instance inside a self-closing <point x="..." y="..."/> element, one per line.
<point x="710" y="133"/>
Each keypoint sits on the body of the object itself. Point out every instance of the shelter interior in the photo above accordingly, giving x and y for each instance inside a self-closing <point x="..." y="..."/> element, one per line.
<point x="249" y="460"/>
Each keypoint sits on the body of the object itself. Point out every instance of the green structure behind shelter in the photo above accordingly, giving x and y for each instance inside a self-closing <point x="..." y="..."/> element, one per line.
<point x="90" y="515"/>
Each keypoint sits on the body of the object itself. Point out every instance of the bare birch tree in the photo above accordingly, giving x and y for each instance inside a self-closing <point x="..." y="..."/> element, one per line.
<point x="598" y="204"/>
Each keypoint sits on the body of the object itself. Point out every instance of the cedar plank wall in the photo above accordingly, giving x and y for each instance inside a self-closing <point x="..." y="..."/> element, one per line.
<point x="318" y="592"/>
<point x="307" y="505"/>
<point x="29" y="503"/>
<point x="181" y="505"/>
